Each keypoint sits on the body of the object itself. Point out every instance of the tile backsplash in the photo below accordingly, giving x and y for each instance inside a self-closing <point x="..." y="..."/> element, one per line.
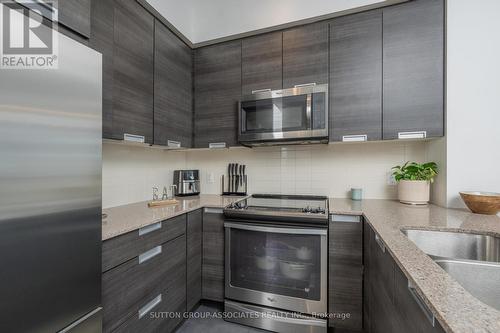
<point x="317" y="169"/>
<point x="129" y="173"/>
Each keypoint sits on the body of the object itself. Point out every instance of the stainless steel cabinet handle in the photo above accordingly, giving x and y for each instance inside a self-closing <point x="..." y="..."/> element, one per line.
<point x="428" y="313"/>
<point x="149" y="306"/>
<point x="412" y="135"/>
<point x="150" y="228"/>
<point x="355" y="138"/>
<point x="310" y="84"/>
<point x="173" y="144"/>
<point x="216" y="145"/>
<point x="134" y="138"/>
<point x="213" y="210"/>
<point x="149" y="254"/>
<point x="380" y="243"/>
<point x="260" y="90"/>
<point x="346" y="218"/>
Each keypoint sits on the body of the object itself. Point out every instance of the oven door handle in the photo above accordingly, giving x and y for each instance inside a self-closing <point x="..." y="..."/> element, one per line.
<point x="278" y="230"/>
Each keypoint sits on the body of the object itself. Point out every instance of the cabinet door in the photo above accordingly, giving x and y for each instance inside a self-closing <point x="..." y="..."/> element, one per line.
<point x="345" y="255"/>
<point x="367" y="236"/>
<point x="261" y="62"/>
<point x="213" y="255"/>
<point x="133" y="71"/>
<point x="75" y="14"/>
<point x="217" y="71"/>
<point x="413" y="47"/>
<point x="305" y="55"/>
<point x="194" y="258"/>
<point x="101" y="40"/>
<point x="173" y="115"/>
<point x="355" y="77"/>
<point x="382" y="287"/>
<point x="413" y="316"/>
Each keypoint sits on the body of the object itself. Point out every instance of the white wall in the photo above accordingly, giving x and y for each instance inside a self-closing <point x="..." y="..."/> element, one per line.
<point x="473" y="97"/>
<point x="129" y="173"/>
<point x="202" y="20"/>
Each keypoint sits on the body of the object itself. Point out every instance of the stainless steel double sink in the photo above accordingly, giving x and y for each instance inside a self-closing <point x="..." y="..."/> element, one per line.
<point x="473" y="260"/>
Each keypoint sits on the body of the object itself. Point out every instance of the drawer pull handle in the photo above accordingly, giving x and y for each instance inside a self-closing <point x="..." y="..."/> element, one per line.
<point x="213" y="211"/>
<point x="149" y="254"/>
<point x="311" y="84"/>
<point x="217" y="145"/>
<point x="380" y="243"/>
<point x="149" y="306"/>
<point x="346" y="218"/>
<point x="149" y="228"/>
<point x="428" y="313"/>
<point x="260" y="91"/>
<point x="412" y="135"/>
<point x="134" y="138"/>
<point x="355" y="138"/>
<point x="173" y="144"/>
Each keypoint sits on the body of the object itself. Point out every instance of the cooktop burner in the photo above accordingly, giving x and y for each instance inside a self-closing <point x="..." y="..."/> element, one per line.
<point x="280" y="208"/>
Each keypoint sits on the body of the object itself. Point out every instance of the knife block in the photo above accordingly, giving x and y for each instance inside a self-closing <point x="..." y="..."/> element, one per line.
<point x="234" y="185"/>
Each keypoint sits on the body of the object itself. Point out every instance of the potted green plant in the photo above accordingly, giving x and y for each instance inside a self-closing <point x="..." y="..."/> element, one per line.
<point x="414" y="181"/>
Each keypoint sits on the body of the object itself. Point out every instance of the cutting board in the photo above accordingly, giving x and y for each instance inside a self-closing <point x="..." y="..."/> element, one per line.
<point x="159" y="203"/>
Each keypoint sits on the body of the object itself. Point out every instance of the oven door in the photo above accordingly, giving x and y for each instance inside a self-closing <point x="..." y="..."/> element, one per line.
<point x="280" y="267"/>
<point x="289" y="114"/>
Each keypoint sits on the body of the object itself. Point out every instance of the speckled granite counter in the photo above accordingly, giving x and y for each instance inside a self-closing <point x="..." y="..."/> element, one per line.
<point x="456" y="309"/>
<point x="453" y="306"/>
<point x="123" y="219"/>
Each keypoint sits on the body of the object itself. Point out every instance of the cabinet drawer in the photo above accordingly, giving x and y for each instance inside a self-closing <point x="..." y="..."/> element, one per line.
<point x="155" y="313"/>
<point x="128" y="287"/>
<point x="118" y="250"/>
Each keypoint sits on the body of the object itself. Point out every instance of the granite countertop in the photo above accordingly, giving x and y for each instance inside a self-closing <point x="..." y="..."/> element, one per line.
<point x="456" y="309"/>
<point x="126" y="218"/>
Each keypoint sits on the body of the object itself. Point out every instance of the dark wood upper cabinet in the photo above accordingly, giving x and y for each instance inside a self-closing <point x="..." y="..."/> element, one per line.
<point x="356" y="77"/>
<point x="133" y="70"/>
<point x="75" y="15"/>
<point x="305" y="55"/>
<point x="217" y="89"/>
<point x="261" y="62"/>
<point x="101" y="40"/>
<point x="413" y="51"/>
<point x="173" y="114"/>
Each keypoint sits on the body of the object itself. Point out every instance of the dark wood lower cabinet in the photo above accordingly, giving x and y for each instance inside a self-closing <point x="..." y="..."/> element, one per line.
<point x="390" y="306"/>
<point x="345" y="265"/>
<point x="194" y="258"/>
<point x="144" y="278"/>
<point x="213" y="255"/>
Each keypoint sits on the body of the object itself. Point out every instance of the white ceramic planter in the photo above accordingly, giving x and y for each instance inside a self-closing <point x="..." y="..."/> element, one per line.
<point x="414" y="192"/>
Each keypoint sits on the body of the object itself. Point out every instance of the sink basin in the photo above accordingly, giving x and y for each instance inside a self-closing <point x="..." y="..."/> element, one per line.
<point x="480" y="279"/>
<point x="456" y="245"/>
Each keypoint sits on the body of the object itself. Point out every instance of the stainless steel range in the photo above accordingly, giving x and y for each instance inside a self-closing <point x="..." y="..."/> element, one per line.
<point x="276" y="262"/>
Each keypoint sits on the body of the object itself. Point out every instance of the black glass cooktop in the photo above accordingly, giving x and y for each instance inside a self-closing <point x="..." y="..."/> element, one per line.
<point x="280" y="207"/>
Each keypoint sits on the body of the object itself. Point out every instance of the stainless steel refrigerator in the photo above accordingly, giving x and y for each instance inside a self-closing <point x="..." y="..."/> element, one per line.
<point x="50" y="194"/>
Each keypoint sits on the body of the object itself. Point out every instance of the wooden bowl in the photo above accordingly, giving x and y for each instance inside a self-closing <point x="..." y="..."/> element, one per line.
<point x="482" y="202"/>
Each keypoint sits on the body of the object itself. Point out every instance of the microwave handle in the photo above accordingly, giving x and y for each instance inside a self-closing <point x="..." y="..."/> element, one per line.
<point x="309" y="110"/>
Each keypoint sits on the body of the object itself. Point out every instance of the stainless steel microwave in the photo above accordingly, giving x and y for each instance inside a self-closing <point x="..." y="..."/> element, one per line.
<point x="288" y="116"/>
